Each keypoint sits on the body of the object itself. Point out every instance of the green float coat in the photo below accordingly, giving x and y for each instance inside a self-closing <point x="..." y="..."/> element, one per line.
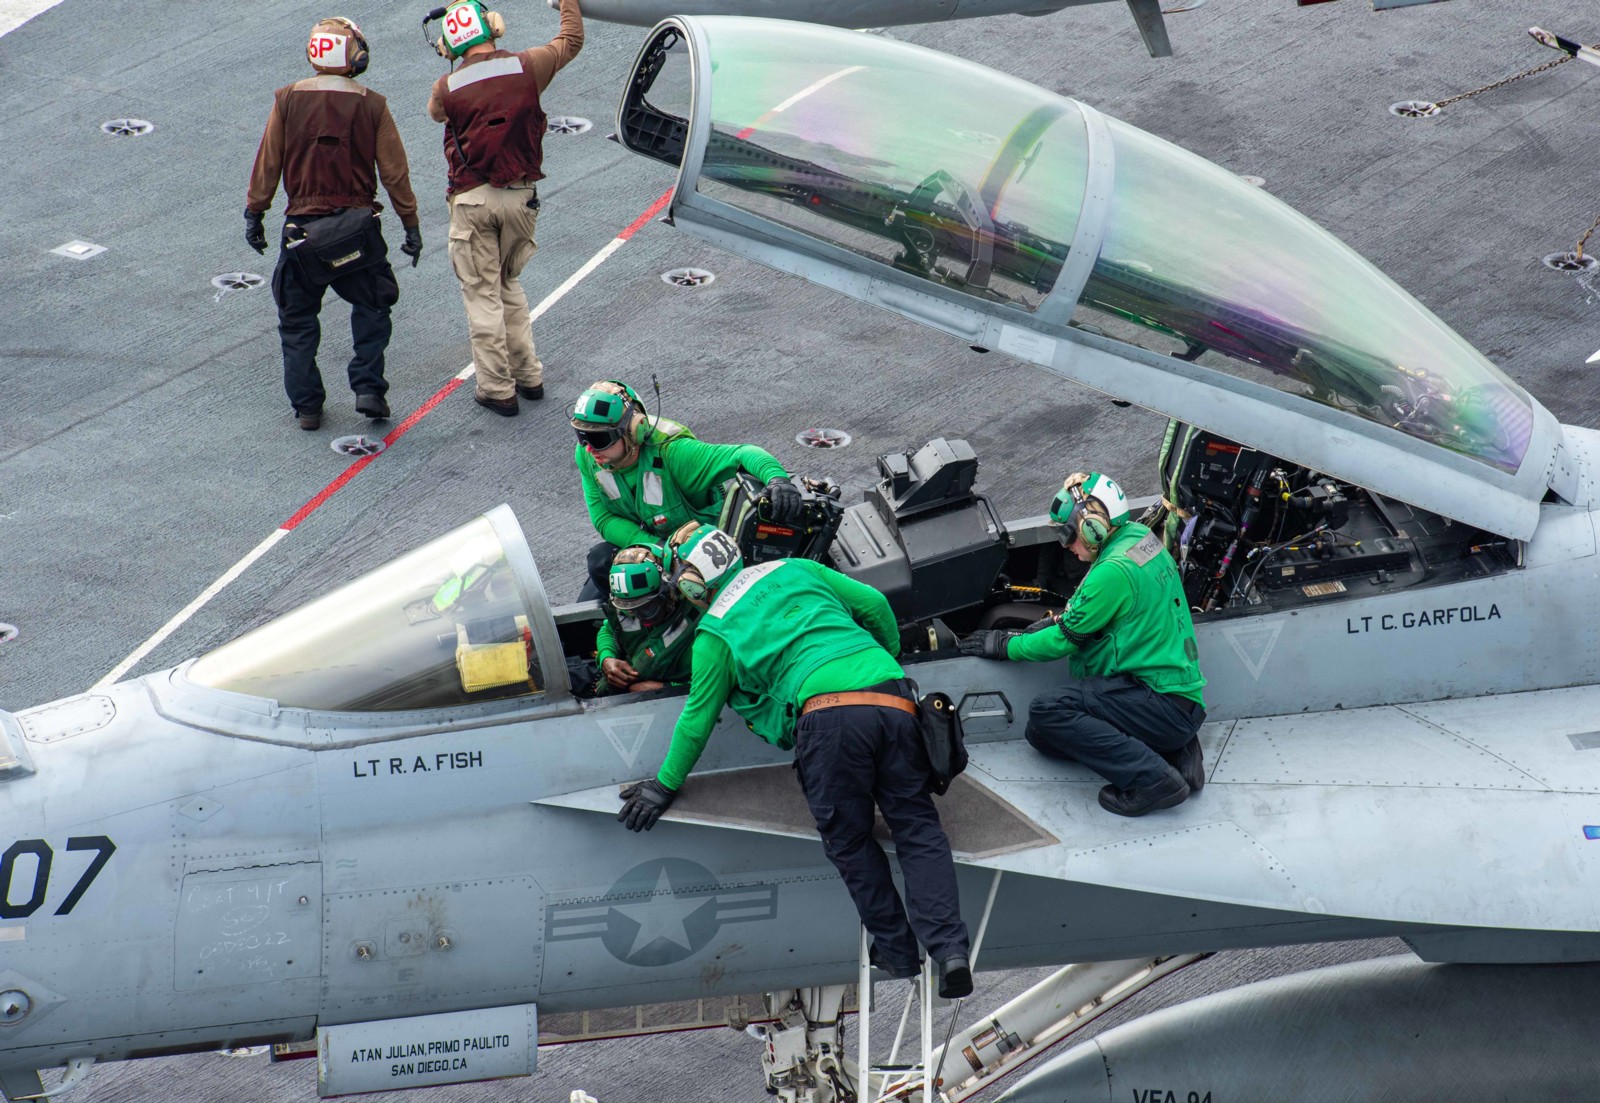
<point x="676" y="479"/>
<point x="1128" y="616"/>
<point x="659" y="653"/>
<point x="776" y="635"/>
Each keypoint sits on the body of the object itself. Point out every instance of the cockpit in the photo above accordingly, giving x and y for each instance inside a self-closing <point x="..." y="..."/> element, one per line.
<point x="459" y="620"/>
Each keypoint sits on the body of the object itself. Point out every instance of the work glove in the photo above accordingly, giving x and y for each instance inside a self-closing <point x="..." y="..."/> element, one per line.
<point x="643" y="802"/>
<point x="255" y="234"/>
<point x="784" y="503"/>
<point x="413" y="246"/>
<point x="988" y="644"/>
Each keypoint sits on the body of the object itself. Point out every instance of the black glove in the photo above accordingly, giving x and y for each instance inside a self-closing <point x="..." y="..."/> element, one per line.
<point x="784" y="503"/>
<point x="643" y="802"/>
<point x="255" y="234"/>
<point x="988" y="644"/>
<point x="413" y="246"/>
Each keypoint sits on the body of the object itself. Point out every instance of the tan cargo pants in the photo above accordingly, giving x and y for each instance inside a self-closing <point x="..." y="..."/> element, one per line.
<point x="491" y="239"/>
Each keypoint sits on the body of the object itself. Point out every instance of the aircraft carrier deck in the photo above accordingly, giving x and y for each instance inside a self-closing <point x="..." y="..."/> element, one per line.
<point x="147" y="449"/>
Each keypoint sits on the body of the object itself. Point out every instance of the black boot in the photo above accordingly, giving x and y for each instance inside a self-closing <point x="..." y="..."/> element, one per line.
<point x="1170" y="790"/>
<point x="955" y="977"/>
<point x="895" y="970"/>
<point x="1189" y="762"/>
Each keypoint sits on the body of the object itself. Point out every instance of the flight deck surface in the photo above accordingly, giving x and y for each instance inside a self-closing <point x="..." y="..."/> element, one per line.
<point x="146" y="448"/>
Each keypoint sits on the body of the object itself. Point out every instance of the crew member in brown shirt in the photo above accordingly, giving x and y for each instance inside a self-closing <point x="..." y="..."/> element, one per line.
<point x="494" y="146"/>
<point x="324" y="137"/>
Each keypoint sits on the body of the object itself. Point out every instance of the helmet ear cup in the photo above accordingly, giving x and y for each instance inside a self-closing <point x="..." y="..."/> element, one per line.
<point x="1093" y="531"/>
<point x="496" y="24"/>
<point x="359" y="54"/>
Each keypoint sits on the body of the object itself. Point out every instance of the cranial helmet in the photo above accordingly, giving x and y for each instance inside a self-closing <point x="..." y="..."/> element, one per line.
<point x="635" y="576"/>
<point x="337" y="46"/>
<point x="704" y="560"/>
<point x="468" y="23"/>
<point x="1091" y="506"/>
<point x="605" y="405"/>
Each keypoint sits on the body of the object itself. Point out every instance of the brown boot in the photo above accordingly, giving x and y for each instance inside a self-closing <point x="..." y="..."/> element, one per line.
<point x="505" y="407"/>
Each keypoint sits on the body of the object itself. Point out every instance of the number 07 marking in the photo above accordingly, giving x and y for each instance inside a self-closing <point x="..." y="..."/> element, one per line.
<point x="43" y="856"/>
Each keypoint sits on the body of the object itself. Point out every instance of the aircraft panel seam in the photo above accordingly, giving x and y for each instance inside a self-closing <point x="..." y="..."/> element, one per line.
<point x="1542" y="784"/>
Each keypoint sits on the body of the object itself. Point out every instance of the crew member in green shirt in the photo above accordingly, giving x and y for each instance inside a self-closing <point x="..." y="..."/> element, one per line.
<point x="643" y="644"/>
<point x="807" y="657"/>
<point x="1132" y="712"/>
<point x="644" y="477"/>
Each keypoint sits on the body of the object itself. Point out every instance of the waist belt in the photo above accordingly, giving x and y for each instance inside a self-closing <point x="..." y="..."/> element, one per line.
<point x="859" y="697"/>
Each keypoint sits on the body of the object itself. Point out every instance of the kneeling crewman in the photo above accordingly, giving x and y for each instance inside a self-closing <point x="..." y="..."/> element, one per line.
<point x="807" y="657"/>
<point x="1132" y="712"/>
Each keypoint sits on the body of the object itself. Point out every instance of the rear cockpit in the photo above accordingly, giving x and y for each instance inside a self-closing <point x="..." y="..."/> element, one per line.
<point x="1031" y="223"/>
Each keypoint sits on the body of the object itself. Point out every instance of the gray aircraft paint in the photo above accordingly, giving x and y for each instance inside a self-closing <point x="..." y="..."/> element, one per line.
<point x="1549" y="716"/>
<point x="1470" y="1034"/>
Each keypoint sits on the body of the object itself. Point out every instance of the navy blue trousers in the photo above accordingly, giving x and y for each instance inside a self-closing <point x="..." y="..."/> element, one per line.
<point x="1116" y="726"/>
<point x="370" y="293"/>
<point x="850" y="758"/>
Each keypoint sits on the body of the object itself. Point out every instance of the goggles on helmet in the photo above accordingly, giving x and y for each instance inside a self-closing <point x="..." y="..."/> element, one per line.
<point x="1064" y="514"/>
<point x="599" y="439"/>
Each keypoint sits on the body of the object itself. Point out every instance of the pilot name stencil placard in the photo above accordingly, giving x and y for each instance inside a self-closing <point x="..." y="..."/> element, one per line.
<point x="439" y="762"/>
<point x="423" y="1050"/>
<point x="1421" y="618"/>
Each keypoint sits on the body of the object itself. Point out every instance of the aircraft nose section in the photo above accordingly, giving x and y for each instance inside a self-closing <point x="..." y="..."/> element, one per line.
<point x="1077" y="1076"/>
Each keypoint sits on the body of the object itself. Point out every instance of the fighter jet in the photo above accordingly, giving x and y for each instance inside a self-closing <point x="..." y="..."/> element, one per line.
<point x="1147" y="14"/>
<point x="385" y="821"/>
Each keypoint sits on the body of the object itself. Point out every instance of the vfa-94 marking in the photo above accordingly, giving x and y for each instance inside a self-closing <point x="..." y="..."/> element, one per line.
<point x="15" y="881"/>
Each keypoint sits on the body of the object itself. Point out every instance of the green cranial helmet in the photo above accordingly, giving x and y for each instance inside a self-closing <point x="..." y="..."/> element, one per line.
<point x="636" y="576"/>
<point x="1068" y="510"/>
<point x="704" y="560"/>
<point x="606" y="405"/>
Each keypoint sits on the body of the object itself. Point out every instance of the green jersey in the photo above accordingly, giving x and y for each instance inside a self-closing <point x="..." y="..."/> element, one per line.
<point x="660" y="653"/>
<point x="675" y="479"/>
<point x="777" y="634"/>
<point x="1128" y="616"/>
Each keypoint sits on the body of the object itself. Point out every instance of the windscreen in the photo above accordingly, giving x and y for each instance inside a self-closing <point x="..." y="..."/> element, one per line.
<point x="446" y="624"/>
<point x="934" y="165"/>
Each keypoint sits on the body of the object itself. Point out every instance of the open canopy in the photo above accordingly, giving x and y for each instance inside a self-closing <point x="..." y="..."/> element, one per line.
<point x="459" y="620"/>
<point x="1030" y="222"/>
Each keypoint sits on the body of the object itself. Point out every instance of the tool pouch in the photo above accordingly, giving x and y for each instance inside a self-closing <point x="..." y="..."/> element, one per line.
<point x="943" y="738"/>
<point x="338" y="244"/>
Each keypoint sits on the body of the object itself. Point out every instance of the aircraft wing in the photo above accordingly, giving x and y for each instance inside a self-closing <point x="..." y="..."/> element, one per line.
<point x="1347" y="812"/>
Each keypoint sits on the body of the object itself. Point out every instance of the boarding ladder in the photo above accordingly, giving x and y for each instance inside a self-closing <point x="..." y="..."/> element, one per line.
<point x="999" y="1042"/>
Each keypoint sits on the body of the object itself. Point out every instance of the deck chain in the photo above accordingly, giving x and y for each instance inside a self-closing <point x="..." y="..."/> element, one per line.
<point x="1503" y="81"/>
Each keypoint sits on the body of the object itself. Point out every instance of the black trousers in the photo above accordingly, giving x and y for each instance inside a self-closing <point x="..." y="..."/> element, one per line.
<point x="850" y="758"/>
<point x="370" y="293"/>
<point x="1118" y="727"/>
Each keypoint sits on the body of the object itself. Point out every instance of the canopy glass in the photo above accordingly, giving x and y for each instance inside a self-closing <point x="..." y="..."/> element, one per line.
<point x="976" y="181"/>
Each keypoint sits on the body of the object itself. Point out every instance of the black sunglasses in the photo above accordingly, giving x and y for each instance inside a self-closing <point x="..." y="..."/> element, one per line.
<point x="599" y="439"/>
